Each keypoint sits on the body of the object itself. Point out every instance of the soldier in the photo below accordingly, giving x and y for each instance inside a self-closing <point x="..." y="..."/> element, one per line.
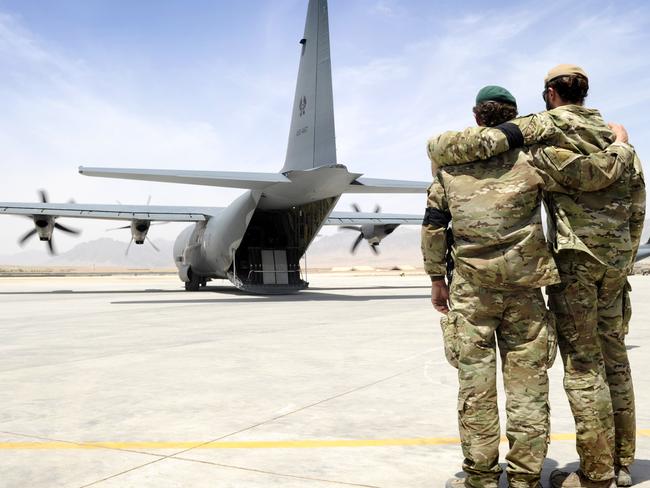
<point x="501" y="262"/>
<point x="595" y="239"/>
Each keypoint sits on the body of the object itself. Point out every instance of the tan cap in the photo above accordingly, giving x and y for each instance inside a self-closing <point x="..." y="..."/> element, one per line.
<point x="564" y="70"/>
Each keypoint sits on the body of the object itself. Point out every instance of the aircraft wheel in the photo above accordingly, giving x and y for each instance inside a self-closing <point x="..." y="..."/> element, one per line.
<point x="194" y="284"/>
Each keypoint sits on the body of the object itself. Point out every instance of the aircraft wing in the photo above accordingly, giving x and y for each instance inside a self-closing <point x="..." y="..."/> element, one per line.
<point x="111" y="212"/>
<point x="374" y="185"/>
<point x="227" y="179"/>
<point x="361" y="218"/>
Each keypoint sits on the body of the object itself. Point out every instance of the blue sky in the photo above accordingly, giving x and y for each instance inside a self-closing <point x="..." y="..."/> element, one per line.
<point x="209" y="85"/>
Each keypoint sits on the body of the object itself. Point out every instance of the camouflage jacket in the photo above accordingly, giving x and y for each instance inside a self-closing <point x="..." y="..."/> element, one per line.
<point x="494" y="209"/>
<point x="602" y="207"/>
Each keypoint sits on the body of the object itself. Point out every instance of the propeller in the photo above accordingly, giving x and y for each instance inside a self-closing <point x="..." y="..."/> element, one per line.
<point x="128" y="248"/>
<point x="139" y="230"/>
<point x="365" y="232"/>
<point x="26" y="237"/>
<point x="44" y="226"/>
<point x="67" y="230"/>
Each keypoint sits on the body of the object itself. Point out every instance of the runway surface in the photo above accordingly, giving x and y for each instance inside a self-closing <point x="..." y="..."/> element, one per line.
<point x="131" y="382"/>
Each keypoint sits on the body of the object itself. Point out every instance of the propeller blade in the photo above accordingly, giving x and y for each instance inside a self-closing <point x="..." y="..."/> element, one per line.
<point x="63" y="228"/>
<point x="152" y="244"/>
<point x="126" y="253"/>
<point x="50" y="247"/>
<point x="72" y="201"/>
<point x="149" y="200"/>
<point x="374" y="249"/>
<point x="377" y="208"/>
<point x="356" y="243"/>
<point x="26" y="236"/>
<point x="356" y="207"/>
<point x="350" y="227"/>
<point x="43" y="195"/>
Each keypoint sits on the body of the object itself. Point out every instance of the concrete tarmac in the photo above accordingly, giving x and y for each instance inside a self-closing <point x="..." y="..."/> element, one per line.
<point x="131" y="382"/>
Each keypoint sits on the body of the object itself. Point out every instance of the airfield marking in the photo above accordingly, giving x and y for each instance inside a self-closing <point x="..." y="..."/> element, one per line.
<point x="307" y="444"/>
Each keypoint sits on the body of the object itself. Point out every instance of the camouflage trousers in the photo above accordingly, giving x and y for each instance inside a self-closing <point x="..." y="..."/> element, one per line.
<point x="520" y="321"/>
<point x="592" y="310"/>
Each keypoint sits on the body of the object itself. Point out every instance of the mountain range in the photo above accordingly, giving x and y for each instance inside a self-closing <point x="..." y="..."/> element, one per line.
<point x="402" y="248"/>
<point x="327" y="251"/>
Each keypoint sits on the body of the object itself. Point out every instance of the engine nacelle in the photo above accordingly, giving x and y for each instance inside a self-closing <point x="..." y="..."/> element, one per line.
<point x="375" y="233"/>
<point x="44" y="226"/>
<point x="139" y="230"/>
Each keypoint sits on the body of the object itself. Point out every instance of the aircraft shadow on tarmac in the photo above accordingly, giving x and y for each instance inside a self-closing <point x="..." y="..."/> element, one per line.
<point x="301" y="297"/>
<point x="418" y="287"/>
<point x="314" y="294"/>
<point x="305" y="296"/>
<point x="89" y="292"/>
<point x="218" y="289"/>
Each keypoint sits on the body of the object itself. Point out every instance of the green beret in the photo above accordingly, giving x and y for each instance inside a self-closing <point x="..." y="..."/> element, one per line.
<point x="493" y="93"/>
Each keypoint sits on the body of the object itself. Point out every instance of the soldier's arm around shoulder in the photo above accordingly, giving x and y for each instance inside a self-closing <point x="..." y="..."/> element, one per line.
<point x="475" y="143"/>
<point x="435" y="223"/>
<point x="533" y="129"/>
<point x="479" y="143"/>
<point x="584" y="172"/>
<point x="637" y="211"/>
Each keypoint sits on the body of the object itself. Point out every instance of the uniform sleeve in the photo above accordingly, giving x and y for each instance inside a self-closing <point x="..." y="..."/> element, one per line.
<point x="478" y="143"/>
<point x="453" y="147"/>
<point x="591" y="172"/>
<point x="435" y="223"/>
<point x="536" y="129"/>
<point x="637" y="215"/>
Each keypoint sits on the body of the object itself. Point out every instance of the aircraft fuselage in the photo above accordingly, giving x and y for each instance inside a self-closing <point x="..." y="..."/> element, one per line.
<point x="258" y="240"/>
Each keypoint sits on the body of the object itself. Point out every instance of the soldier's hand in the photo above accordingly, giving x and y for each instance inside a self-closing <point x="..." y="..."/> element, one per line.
<point x="440" y="296"/>
<point x="619" y="131"/>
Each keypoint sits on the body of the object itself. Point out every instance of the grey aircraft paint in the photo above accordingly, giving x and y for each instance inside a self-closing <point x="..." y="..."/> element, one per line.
<point x="258" y="240"/>
<point x="312" y="134"/>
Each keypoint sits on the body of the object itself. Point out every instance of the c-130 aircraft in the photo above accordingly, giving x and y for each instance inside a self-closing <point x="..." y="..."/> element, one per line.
<point x="256" y="242"/>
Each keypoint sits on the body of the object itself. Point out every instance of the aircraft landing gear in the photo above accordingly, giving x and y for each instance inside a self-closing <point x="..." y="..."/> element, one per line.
<point x="195" y="283"/>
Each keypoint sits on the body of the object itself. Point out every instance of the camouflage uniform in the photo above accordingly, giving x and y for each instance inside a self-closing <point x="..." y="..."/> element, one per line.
<point x="502" y="260"/>
<point x="595" y="238"/>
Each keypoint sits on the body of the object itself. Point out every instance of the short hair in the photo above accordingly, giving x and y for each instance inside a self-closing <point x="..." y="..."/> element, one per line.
<point x="491" y="113"/>
<point x="571" y="88"/>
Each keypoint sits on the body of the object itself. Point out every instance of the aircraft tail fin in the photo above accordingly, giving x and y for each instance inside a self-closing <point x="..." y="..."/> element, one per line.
<point x="312" y="135"/>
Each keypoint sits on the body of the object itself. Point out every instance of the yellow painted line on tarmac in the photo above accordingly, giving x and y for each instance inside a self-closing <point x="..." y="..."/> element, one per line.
<point x="306" y="444"/>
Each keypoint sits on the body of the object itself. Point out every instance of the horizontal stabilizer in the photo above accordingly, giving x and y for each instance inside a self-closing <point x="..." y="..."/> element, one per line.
<point x="226" y="179"/>
<point x="361" y="218"/>
<point x="373" y="185"/>
<point x="111" y="212"/>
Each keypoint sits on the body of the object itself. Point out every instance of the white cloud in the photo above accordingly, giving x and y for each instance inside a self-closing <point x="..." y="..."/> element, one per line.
<point x="384" y="7"/>
<point x="54" y="121"/>
<point x="383" y="120"/>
